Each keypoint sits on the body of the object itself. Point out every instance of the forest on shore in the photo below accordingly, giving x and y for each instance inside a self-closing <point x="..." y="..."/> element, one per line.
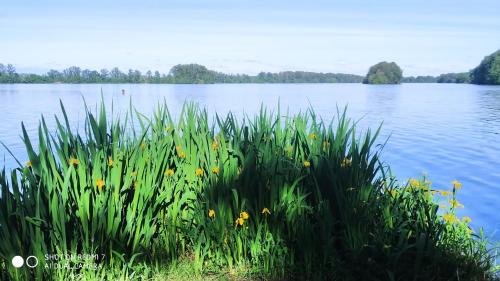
<point x="487" y="72"/>
<point x="178" y="74"/>
<point x="195" y="74"/>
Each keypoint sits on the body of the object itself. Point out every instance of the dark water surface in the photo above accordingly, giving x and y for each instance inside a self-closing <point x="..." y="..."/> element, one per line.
<point x="447" y="131"/>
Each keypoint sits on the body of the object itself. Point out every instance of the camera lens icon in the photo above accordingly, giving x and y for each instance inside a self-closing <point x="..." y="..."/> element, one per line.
<point x="31" y="261"/>
<point x="17" y="261"/>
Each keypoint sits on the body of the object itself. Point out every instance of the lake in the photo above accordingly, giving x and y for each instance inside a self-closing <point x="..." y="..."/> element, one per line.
<point x="447" y="131"/>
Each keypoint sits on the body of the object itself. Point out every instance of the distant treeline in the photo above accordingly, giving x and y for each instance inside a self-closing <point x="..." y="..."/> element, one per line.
<point x="179" y="74"/>
<point x="488" y="72"/>
<point x="463" y="77"/>
<point x="197" y="74"/>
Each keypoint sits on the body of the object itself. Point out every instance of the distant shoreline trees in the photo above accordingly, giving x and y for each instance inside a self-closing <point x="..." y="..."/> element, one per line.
<point x="488" y="72"/>
<point x="8" y="74"/>
<point x="419" y="79"/>
<point x="457" y="78"/>
<point x="179" y="74"/>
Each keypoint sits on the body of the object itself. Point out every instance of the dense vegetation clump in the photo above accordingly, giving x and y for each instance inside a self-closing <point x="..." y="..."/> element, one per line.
<point x="192" y="74"/>
<point x="384" y="73"/>
<point x="488" y="71"/>
<point x="273" y="197"/>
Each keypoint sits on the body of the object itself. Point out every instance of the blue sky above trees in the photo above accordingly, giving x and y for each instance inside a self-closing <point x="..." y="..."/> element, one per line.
<point x="423" y="37"/>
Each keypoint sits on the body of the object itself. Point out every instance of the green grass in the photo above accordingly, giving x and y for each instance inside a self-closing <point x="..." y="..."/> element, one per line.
<point x="268" y="197"/>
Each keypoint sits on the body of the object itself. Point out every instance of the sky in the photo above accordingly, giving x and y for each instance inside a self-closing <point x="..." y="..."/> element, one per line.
<point x="240" y="36"/>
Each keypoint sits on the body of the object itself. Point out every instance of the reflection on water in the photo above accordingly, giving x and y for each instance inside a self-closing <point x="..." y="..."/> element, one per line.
<point x="489" y="111"/>
<point x="447" y="131"/>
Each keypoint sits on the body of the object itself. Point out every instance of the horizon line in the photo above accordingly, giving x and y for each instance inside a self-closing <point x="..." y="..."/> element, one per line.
<point x="44" y="71"/>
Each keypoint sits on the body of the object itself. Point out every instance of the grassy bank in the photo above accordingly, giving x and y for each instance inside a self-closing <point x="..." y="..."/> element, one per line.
<point x="271" y="197"/>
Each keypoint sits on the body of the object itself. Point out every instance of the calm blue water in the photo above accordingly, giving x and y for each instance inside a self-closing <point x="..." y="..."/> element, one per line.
<point x="444" y="130"/>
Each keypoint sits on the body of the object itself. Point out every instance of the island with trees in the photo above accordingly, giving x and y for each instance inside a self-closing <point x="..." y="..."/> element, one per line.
<point x="384" y="73"/>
